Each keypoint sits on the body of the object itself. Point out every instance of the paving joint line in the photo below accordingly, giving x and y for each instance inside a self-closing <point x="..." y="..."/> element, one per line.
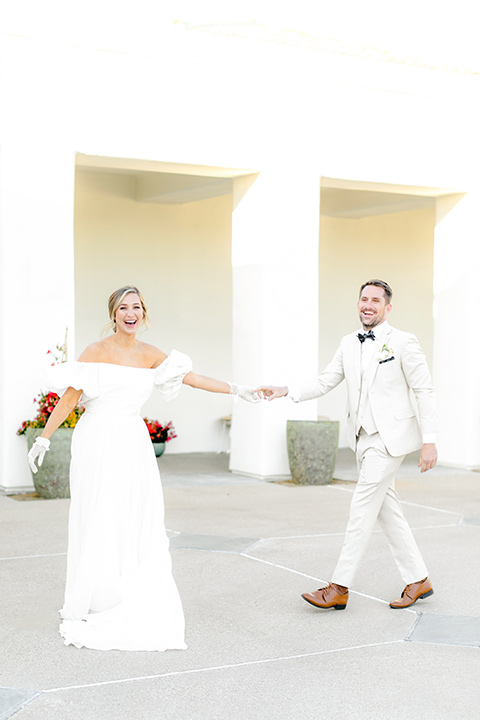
<point x="319" y="580"/>
<point x="222" y="667"/>
<point x="337" y="534"/>
<point x="28" y="557"/>
<point x="412" y="629"/>
<point x="404" y="502"/>
<point x="429" y="507"/>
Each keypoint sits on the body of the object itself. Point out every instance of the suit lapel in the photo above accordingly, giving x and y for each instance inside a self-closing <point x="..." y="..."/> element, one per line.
<point x="372" y="370"/>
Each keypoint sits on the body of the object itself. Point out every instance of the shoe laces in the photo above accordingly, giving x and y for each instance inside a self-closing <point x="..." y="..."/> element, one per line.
<point x="331" y="587"/>
<point x="407" y="587"/>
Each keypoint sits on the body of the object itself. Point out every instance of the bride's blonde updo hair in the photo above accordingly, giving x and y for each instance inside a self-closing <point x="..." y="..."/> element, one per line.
<point x="116" y="299"/>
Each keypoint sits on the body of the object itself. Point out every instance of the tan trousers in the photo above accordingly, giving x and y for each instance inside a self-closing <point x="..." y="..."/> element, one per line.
<point x="375" y="498"/>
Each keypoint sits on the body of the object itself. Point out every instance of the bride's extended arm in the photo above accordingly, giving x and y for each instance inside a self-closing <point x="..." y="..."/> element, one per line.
<point x="202" y="382"/>
<point x="62" y="410"/>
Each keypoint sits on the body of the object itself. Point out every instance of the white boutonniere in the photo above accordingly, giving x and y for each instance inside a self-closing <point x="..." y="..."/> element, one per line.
<point x="385" y="354"/>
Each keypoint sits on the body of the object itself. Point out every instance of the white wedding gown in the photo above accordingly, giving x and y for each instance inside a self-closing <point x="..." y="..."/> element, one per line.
<point x="120" y="593"/>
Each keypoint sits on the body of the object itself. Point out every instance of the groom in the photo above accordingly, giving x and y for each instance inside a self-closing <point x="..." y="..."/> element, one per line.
<point x="380" y="366"/>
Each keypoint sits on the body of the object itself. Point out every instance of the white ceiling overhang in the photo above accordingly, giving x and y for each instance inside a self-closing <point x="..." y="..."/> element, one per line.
<point x="176" y="183"/>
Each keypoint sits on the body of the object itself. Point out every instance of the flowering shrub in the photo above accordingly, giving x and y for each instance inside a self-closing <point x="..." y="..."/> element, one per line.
<point x="160" y="433"/>
<point x="46" y="403"/>
<point x="58" y="359"/>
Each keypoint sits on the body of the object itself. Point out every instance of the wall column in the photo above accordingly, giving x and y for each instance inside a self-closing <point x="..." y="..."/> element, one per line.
<point x="456" y="336"/>
<point x="36" y="283"/>
<point x="275" y="308"/>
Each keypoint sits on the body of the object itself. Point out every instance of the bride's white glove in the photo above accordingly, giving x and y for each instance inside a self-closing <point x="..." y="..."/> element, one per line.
<point x="38" y="450"/>
<point x="244" y="392"/>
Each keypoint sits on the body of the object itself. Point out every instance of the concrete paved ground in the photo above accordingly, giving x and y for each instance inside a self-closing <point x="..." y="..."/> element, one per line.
<point x="243" y="551"/>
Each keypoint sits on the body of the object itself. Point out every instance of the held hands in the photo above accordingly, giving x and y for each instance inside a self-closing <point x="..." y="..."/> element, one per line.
<point x="428" y="457"/>
<point x="269" y="392"/>
<point x="38" y="450"/>
<point x="246" y="393"/>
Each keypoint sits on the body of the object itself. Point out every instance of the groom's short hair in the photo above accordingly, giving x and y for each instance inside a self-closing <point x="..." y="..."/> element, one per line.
<point x="380" y="283"/>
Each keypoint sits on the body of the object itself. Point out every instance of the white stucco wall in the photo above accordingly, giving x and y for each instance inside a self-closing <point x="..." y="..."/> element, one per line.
<point x="397" y="248"/>
<point x="457" y="342"/>
<point x="36" y="289"/>
<point x="180" y="258"/>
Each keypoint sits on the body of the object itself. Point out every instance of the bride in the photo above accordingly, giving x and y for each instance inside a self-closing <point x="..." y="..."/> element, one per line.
<point x="120" y="592"/>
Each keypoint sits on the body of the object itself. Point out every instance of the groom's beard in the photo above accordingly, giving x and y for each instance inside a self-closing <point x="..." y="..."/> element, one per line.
<point x="373" y="321"/>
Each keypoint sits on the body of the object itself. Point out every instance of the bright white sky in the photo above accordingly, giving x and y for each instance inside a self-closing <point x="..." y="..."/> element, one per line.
<point x="434" y="30"/>
<point x="446" y="29"/>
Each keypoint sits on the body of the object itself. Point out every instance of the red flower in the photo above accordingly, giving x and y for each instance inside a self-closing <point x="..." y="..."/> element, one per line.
<point x="159" y="432"/>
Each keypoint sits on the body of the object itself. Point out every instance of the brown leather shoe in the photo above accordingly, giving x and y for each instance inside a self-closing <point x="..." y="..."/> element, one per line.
<point x="421" y="589"/>
<point x="332" y="595"/>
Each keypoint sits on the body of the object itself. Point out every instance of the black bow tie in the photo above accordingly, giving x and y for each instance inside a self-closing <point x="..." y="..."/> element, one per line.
<point x="364" y="336"/>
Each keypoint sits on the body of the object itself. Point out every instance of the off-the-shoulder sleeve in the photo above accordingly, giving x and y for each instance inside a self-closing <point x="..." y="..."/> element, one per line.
<point x="170" y="374"/>
<point x="79" y="375"/>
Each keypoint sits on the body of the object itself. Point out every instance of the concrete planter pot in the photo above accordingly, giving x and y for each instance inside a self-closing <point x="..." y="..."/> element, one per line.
<point x="312" y="450"/>
<point x="159" y="448"/>
<point x="52" y="479"/>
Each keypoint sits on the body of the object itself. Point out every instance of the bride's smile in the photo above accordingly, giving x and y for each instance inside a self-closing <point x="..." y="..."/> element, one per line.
<point x="129" y="314"/>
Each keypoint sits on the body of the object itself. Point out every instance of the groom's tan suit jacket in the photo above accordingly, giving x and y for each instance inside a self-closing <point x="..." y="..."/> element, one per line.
<point x="396" y="369"/>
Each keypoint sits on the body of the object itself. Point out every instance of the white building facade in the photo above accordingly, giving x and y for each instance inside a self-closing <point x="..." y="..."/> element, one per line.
<point x="248" y="185"/>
